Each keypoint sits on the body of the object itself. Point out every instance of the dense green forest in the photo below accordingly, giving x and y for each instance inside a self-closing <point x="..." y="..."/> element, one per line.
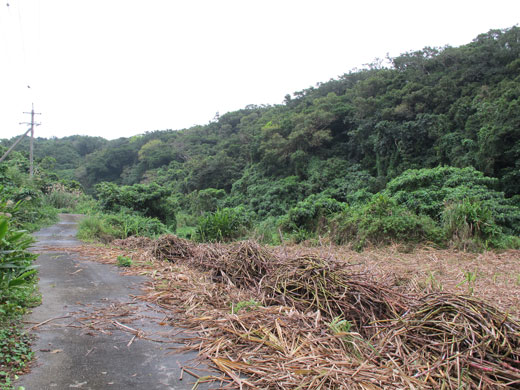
<point x="424" y="149"/>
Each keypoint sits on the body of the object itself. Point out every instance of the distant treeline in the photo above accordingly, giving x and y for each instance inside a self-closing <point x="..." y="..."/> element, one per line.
<point x="344" y="139"/>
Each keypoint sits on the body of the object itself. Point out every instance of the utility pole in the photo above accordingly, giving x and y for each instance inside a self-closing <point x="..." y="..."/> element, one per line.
<point x="31" y="145"/>
<point x="31" y="130"/>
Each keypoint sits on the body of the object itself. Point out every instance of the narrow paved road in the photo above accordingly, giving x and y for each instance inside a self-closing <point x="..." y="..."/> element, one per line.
<point x="86" y="344"/>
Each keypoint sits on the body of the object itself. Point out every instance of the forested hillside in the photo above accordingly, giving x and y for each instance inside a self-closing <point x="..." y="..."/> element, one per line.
<point x="332" y="147"/>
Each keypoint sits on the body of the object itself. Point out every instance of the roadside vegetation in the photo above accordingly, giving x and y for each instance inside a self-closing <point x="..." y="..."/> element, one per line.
<point x="26" y="204"/>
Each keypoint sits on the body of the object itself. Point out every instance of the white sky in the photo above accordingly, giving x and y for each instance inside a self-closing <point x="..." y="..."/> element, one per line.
<point x="116" y="68"/>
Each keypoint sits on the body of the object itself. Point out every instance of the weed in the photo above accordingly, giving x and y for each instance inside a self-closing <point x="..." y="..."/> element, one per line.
<point x="433" y="283"/>
<point x="15" y="352"/>
<point x="123" y="261"/>
<point x="106" y="227"/>
<point x="340" y="326"/>
<point x="187" y="232"/>
<point x="383" y="221"/>
<point x="469" y="279"/>
<point x="246" y="305"/>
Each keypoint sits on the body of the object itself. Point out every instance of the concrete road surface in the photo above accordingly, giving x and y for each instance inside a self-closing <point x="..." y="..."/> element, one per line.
<point x="86" y="349"/>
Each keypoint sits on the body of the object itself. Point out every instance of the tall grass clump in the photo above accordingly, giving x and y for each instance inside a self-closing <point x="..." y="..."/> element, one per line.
<point x="223" y="225"/>
<point x="95" y="228"/>
<point x="469" y="225"/>
<point x="60" y="197"/>
<point x="108" y="227"/>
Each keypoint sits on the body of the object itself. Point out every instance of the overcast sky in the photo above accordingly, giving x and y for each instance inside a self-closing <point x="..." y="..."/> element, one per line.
<point x="116" y="68"/>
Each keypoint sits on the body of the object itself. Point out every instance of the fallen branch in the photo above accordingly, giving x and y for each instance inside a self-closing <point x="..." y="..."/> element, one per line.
<point x="47" y="321"/>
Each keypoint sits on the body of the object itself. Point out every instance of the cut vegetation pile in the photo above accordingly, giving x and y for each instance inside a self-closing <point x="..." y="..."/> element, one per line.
<point x="310" y="283"/>
<point x="243" y="264"/>
<point x="451" y="340"/>
<point x="134" y="242"/>
<point x="282" y="321"/>
<point x="171" y="248"/>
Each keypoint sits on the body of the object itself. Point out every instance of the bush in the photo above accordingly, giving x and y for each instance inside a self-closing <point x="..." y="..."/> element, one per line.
<point x="223" y="225"/>
<point x="17" y="273"/>
<point x="26" y="211"/>
<point x="470" y="224"/>
<point x="107" y="227"/>
<point x="266" y="196"/>
<point x="311" y="213"/>
<point x="206" y="200"/>
<point x="340" y="180"/>
<point x="427" y="191"/>
<point x="95" y="228"/>
<point x="382" y="221"/>
<point x="149" y="200"/>
<point x="62" y="196"/>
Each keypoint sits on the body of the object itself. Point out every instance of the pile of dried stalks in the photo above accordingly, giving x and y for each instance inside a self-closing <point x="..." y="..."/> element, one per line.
<point x="281" y="348"/>
<point x="289" y="334"/>
<point x="133" y="242"/>
<point x="243" y="264"/>
<point x="172" y="248"/>
<point x="450" y="340"/>
<point x="312" y="283"/>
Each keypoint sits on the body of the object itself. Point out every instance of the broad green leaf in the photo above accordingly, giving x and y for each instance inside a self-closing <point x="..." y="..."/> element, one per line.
<point x="3" y="227"/>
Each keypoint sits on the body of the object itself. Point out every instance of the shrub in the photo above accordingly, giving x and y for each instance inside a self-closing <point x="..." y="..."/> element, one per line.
<point x="223" y="225"/>
<point x="16" y="269"/>
<point x="266" y="196"/>
<point x="107" y="227"/>
<point x="312" y="212"/>
<point x="149" y="200"/>
<point x="26" y="208"/>
<point x="206" y="200"/>
<point x="382" y="221"/>
<point x="426" y="191"/>
<point x="470" y="224"/>
<point x="341" y="180"/>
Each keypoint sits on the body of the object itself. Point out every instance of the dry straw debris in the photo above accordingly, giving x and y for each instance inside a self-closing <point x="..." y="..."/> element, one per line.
<point x="272" y="319"/>
<point x="171" y="248"/>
